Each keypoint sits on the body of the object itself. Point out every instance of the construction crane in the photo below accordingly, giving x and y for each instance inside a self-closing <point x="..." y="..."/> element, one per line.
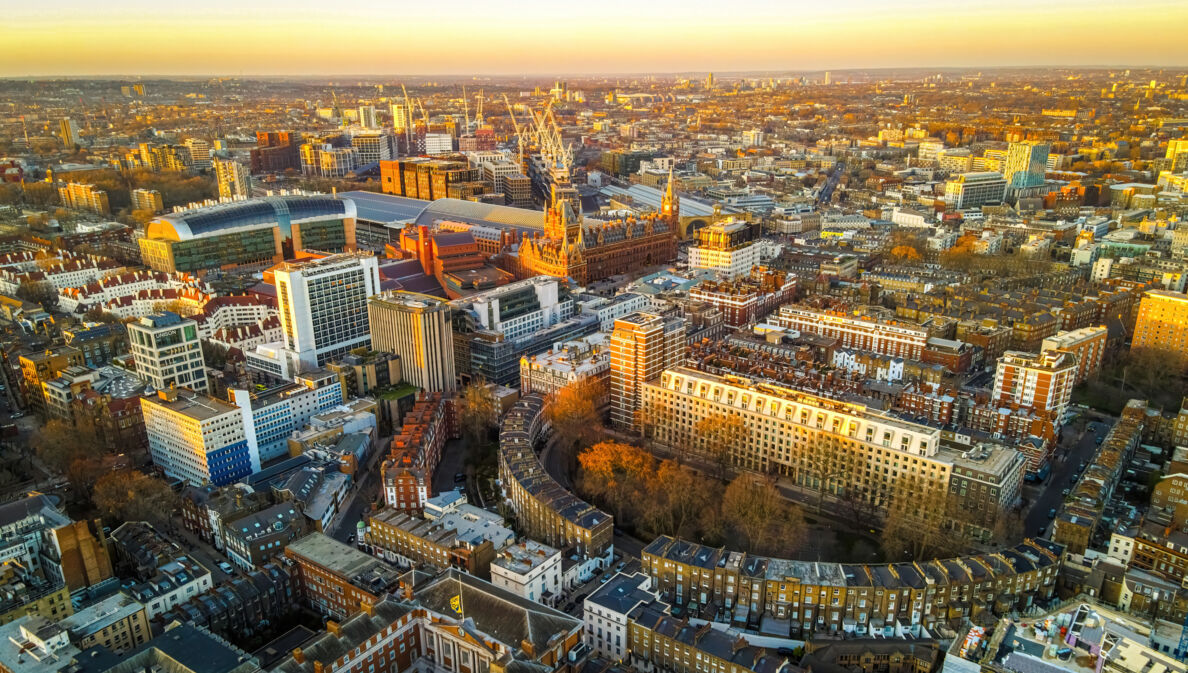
<point x="407" y="120"/>
<point x="519" y="132"/>
<point x="465" y="109"/>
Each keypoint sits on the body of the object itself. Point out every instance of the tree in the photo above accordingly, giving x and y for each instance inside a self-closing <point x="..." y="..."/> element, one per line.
<point x="616" y="474"/>
<point x="214" y="355"/>
<point x="69" y="450"/>
<point x="128" y="495"/>
<point x="905" y="254"/>
<point x="916" y="519"/>
<point x="824" y="466"/>
<point x="754" y="506"/>
<point x="97" y="314"/>
<point x="477" y="413"/>
<point x="39" y="291"/>
<point x="40" y="194"/>
<point x="678" y="499"/>
<point x="721" y="435"/>
<point x="573" y="412"/>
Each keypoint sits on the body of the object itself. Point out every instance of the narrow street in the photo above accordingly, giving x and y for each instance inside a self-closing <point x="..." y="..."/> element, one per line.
<point x="1077" y="450"/>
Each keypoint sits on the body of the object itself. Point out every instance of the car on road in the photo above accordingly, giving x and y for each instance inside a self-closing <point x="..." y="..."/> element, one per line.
<point x="785" y="651"/>
<point x="605" y="578"/>
<point x="1065" y="492"/>
<point x="1041" y="532"/>
<point x="226" y="567"/>
<point x="619" y="568"/>
<point x="1052" y="513"/>
<point x="459" y="477"/>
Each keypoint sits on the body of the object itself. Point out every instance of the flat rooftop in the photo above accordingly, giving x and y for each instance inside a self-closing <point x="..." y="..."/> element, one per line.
<point x="194" y="405"/>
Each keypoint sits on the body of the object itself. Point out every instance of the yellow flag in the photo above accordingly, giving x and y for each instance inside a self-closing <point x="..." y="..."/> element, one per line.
<point x="456" y="603"/>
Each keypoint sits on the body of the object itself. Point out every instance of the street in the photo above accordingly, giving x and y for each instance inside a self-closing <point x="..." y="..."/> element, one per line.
<point x="363" y="492"/>
<point x="1070" y="456"/>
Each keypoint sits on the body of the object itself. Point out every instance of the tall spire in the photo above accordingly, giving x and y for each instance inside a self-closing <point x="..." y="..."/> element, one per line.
<point x="668" y="187"/>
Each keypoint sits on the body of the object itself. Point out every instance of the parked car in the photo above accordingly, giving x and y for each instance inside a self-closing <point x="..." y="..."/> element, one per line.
<point x="226" y="567"/>
<point x="459" y="477"/>
<point x="1052" y="513"/>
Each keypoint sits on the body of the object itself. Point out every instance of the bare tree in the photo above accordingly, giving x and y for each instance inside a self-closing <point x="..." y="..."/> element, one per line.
<point x="721" y="436"/>
<point x="753" y="505"/>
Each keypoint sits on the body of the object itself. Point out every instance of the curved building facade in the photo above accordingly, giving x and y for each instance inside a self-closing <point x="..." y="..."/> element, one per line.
<point x="255" y="231"/>
<point x="545" y="510"/>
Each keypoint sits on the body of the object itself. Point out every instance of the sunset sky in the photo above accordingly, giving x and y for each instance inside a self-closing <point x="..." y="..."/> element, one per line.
<point x="296" y="37"/>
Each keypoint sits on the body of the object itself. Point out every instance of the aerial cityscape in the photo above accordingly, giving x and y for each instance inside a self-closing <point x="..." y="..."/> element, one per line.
<point x="670" y="338"/>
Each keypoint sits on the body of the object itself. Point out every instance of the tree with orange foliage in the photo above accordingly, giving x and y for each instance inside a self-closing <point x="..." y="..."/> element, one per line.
<point x="573" y="412"/>
<point x="905" y="253"/>
<point x="679" y="497"/>
<point x="616" y="474"/>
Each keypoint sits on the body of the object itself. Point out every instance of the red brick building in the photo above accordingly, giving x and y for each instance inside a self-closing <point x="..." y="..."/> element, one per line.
<point x="591" y="250"/>
<point x="748" y="299"/>
<point x="407" y="473"/>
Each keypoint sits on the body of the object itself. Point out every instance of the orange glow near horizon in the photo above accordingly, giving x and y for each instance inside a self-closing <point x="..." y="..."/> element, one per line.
<point x="368" y="37"/>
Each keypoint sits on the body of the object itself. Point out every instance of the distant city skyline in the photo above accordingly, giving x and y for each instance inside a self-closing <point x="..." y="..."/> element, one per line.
<point x="268" y="37"/>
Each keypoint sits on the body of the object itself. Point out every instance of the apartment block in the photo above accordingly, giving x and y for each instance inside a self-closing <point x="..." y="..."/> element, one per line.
<point x="866" y="333"/>
<point x="407" y="473"/>
<point x="747" y="299"/>
<point x="77" y="196"/>
<point x="642" y="346"/>
<point x="1088" y="344"/>
<point x="467" y="539"/>
<point x="547" y="511"/>
<point x="786" y="428"/>
<point x="419" y="329"/>
<point x="1162" y="323"/>
<point x="565" y="364"/>
<point x="1042" y="383"/>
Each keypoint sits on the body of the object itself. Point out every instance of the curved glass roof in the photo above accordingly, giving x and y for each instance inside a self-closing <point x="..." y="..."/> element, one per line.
<point x="473" y="212"/>
<point x="249" y="214"/>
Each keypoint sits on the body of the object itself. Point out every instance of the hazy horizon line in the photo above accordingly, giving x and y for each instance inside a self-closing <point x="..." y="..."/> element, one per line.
<point x="767" y="72"/>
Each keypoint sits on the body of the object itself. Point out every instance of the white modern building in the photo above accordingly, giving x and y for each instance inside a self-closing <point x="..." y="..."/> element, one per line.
<point x="973" y="190"/>
<point x="519" y="309"/>
<point x="323" y="307"/>
<point x="725" y="248"/>
<point x="367" y="117"/>
<point x="168" y="351"/>
<point x="270" y="416"/>
<point x="529" y="569"/>
<point x="610" y="310"/>
<point x="197" y="438"/>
